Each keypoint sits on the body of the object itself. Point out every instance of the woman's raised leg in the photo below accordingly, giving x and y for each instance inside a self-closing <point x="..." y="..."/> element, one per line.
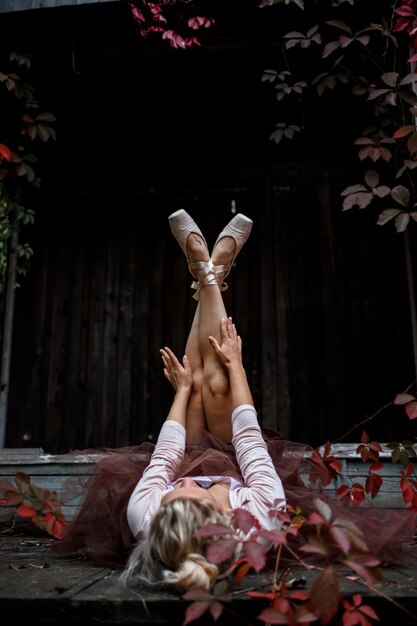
<point x="216" y="396"/>
<point x="196" y="419"/>
<point x="209" y="273"/>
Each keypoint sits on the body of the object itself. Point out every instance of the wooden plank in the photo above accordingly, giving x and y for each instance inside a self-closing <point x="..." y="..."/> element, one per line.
<point x="72" y="410"/>
<point x="47" y="586"/>
<point x="10" y="6"/>
<point x="141" y="429"/>
<point x="96" y="254"/>
<point x="125" y="336"/>
<point x="113" y="270"/>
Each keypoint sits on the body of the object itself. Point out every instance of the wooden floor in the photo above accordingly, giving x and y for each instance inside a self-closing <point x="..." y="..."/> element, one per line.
<point x="36" y="586"/>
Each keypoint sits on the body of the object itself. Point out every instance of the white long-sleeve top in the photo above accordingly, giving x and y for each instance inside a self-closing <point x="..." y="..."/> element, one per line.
<point x="262" y="485"/>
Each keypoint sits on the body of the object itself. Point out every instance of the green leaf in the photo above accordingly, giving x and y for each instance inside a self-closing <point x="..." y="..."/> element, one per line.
<point x="401" y="222"/>
<point x="412" y="143"/>
<point x="401" y="195"/>
<point x="403" y="398"/>
<point x="294" y="34"/>
<point x="387" y="215"/>
<point x="329" y="48"/>
<point x="324" y="509"/>
<point x="390" y="78"/>
<point x="407" y="96"/>
<point x="341" y="25"/>
<point x="371" y="178"/>
<point x="276" y="136"/>
<point x="382" y="191"/>
<point x="353" y="189"/>
<point x="269" y="75"/>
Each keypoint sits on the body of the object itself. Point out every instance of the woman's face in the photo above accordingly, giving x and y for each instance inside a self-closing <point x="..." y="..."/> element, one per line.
<point x="188" y="488"/>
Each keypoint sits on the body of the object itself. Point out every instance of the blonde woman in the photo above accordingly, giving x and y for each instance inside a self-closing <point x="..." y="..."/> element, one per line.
<point x="143" y="503"/>
<point x="211" y="395"/>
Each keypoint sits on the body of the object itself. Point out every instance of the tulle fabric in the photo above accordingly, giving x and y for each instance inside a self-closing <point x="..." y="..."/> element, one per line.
<point x="100" y="531"/>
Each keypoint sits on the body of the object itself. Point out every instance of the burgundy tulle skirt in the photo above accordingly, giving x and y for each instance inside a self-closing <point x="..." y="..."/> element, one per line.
<point x="101" y="533"/>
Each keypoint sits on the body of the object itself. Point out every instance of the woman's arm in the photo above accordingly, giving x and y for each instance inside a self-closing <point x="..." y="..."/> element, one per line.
<point x="263" y="486"/>
<point x="169" y="450"/>
<point x="180" y="377"/>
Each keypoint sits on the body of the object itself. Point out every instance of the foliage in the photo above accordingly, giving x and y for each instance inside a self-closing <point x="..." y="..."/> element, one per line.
<point x="333" y="541"/>
<point x="21" y="127"/>
<point x="368" y="53"/>
<point x="41" y="505"/>
<point x="170" y="22"/>
<point x="336" y="543"/>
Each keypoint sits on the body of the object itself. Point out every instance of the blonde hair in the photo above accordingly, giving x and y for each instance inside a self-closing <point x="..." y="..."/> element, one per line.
<point x="169" y="553"/>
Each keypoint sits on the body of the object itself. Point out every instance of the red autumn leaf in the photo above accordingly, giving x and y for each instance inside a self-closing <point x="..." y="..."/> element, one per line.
<point x="409" y="470"/>
<point x="357" y="493"/>
<point x="26" y="511"/>
<point x="325" y="595"/>
<point x="341" y="537"/>
<point x="58" y="529"/>
<point x="216" y="609"/>
<point x="199" y="22"/>
<point x="343" y="491"/>
<point x="368" y="610"/>
<point x="376" y="466"/>
<point x="242" y="571"/>
<point x="136" y="13"/>
<point x="192" y="41"/>
<point x="221" y="550"/>
<point x="194" y="611"/>
<point x="260" y="594"/>
<point x="365" y="567"/>
<point x="12" y="498"/>
<point x="245" y="520"/>
<point x="278" y="537"/>
<point x="325" y="467"/>
<point x="355" y="613"/>
<point x="373" y="484"/>
<point x="315" y="545"/>
<point x="411" y="410"/>
<point x="6" y="485"/>
<point x="376" y="446"/>
<point x="273" y="616"/>
<point x="213" y="529"/>
<point x="255" y="554"/>
<point x="5" y="153"/>
<point x="175" y="40"/>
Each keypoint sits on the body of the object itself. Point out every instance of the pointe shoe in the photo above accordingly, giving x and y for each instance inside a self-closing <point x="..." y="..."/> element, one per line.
<point x="182" y="225"/>
<point x="239" y="228"/>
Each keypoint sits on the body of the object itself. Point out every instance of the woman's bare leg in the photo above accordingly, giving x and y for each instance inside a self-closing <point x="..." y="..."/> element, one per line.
<point x="195" y="419"/>
<point x="215" y="388"/>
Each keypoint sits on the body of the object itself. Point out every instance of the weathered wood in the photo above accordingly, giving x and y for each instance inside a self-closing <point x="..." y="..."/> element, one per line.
<point x="116" y="288"/>
<point x="34" y="582"/>
<point x="67" y="475"/>
<point x="8" y="6"/>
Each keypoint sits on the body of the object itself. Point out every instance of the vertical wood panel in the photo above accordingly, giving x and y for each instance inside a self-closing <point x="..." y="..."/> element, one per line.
<point x="319" y="297"/>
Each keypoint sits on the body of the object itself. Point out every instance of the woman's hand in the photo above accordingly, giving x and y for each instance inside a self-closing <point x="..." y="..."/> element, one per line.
<point x="178" y="374"/>
<point x="229" y="350"/>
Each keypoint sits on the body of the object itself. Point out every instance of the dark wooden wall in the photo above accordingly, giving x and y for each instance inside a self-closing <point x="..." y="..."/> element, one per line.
<point x="319" y="296"/>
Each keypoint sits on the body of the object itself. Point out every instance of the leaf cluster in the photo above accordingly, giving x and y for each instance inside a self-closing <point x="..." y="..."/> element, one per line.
<point x="368" y="59"/>
<point x="332" y="541"/>
<point x="22" y="126"/>
<point x="42" y="506"/>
